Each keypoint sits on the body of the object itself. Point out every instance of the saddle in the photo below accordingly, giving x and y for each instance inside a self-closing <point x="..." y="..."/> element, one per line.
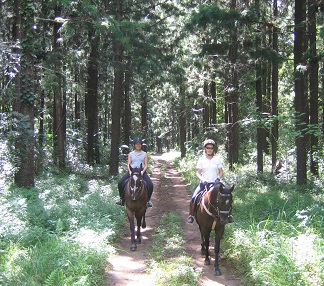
<point x="198" y="198"/>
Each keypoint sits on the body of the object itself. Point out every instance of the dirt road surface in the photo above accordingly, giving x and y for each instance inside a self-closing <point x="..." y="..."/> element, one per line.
<point x="128" y="267"/>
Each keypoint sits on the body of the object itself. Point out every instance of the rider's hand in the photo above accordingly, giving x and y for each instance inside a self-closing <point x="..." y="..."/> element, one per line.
<point x="142" y="173"/>
<point x="205" y="183"/>
<point x="217" y="180"/>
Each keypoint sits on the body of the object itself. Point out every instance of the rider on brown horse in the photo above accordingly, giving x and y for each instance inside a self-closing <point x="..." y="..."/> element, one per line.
<point x="209" y="172"/>
<point x="136" y="158"/>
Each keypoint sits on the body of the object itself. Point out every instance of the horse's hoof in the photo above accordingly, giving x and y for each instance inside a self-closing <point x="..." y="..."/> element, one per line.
<point x="144" y="225"/>
<point x="203" y="252"/>
<point x="133" y="247"/>
<point x="218" y="272"/>
<point x="138" y="240"/>
<point x="207" y="262"/>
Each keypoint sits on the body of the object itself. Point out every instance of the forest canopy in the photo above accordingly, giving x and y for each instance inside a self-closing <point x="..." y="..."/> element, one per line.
<point x="80" y="79"/>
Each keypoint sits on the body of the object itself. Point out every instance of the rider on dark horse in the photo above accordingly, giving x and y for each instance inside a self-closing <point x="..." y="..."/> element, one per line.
<point x="209" y="172"/>
<point x="136" y="158"/>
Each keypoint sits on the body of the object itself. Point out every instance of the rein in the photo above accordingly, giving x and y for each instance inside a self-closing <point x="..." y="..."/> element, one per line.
<point x="218" y="211"/>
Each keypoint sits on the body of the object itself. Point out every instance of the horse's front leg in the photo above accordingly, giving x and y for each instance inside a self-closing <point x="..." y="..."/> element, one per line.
<point x="219" y="230"/>
<point x="206" y="243"/>
<point x="138" y="232"/>
<point x="131" y="219"/>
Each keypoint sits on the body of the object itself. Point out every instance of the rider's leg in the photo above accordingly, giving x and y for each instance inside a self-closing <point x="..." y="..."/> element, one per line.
<point x="149" y="184"/>
<point x="121" y="185"/>
<point x="190" y="218"/>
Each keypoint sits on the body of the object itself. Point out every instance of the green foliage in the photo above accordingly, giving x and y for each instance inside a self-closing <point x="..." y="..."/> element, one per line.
<point x="58" y="233"/>
<point x="53" y="262"/>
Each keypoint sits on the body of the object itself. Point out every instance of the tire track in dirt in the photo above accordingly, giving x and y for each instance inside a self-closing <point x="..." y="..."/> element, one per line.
<point x="170" y="193"/>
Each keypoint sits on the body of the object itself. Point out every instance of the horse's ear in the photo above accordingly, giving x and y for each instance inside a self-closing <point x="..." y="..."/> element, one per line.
<point x="232" y="188"/>
<point x="141" y="166"/>
<point x="130" y="167"/>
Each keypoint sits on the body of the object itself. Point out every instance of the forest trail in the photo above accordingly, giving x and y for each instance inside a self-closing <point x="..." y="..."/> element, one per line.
<point x="128" y="267"/>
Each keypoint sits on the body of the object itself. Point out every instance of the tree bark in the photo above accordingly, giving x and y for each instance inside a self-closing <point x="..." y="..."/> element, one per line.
<point x="301" y="103"/>
<point x="258" y="89"/>
<point x="206" y="108"/>
<point x="213" y="110"/>
<point x="274" y="94"/>
<point x="128" y="111"/>
<point x="313" y="87"/>
<point x="232" y="101"/>
<point x="59" y="116"/>
<point x="24" y="102"/>
<point x="182" y="124"/>
<point x="116" y="99"/>
<point x="92" y="99"/>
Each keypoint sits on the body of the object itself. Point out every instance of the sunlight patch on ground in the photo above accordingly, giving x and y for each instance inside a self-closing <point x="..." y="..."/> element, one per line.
<point x="92" y="239"/>
<point x="170" y="155"/>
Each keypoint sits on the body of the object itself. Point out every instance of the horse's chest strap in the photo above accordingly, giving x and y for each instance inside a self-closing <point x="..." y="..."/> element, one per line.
<point x="214" y="223"/>
<point x="206" y="209"/>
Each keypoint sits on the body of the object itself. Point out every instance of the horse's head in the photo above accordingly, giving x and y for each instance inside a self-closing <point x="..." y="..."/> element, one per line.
<point x="136" y="182"/>
<point x="224" y="202"/>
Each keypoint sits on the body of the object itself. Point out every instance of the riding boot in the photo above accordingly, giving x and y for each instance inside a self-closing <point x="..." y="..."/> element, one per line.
<point x="121" y="200"/>
<point x="190" y="218"/>
<point x="149" y="203"/>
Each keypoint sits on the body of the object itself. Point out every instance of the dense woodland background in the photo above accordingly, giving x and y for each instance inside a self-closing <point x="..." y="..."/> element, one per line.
<point x="80" y="79"/>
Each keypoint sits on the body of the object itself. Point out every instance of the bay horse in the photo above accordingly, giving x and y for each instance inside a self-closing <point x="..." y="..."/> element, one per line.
<point x="135" y="200"/>
<point x="212" y="214"/>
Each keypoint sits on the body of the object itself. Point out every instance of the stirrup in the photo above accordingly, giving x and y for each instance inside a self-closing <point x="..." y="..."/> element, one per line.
<point x="149" y="204"/>
<point x="190" y="219"/>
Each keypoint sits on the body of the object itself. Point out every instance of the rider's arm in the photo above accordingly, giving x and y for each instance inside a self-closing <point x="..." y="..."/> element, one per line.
<point x="220" y="172"/>
<point x="145" y="163"/>
<point x="199" y="174"/>
<point x="129" y="162"/>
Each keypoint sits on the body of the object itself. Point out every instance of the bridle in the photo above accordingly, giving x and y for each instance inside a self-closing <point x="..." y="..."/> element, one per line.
<point x="135" y="177"/>
<point x="217" y="212"/>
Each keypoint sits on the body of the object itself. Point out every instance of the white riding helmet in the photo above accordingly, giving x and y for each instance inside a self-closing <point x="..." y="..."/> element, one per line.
<point x="208" y="142"/>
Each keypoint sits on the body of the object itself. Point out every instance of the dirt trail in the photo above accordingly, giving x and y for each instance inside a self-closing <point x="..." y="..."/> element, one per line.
<point x="128" y="267"/>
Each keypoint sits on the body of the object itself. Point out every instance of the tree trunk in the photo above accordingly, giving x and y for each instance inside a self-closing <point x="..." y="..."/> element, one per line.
<point x="206" y="108"/>
<point x="92" y="99"/>
<point x="213" y="110"/>
<point x="258" y="88"/>
<point x="182" y="124"/>
<point x="59" y="128"/>
<point x="313" y="87"/>
<point x="144" y="115"/>
<point x="301" y="103"/>
<point x="274" y="97"/>
<point x="116" y="99"/>
<point x="232" y="101"/>
<point x="24" y="102"/>
<point x="128" y="111"/>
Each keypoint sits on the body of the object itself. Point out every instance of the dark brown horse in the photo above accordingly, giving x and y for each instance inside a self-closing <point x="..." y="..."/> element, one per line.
<point x="135" y="199"/>
<point x="212" y="213"/>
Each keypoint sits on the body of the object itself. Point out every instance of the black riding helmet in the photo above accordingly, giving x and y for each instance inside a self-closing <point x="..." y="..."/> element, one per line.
<point x="137" y="140"/>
